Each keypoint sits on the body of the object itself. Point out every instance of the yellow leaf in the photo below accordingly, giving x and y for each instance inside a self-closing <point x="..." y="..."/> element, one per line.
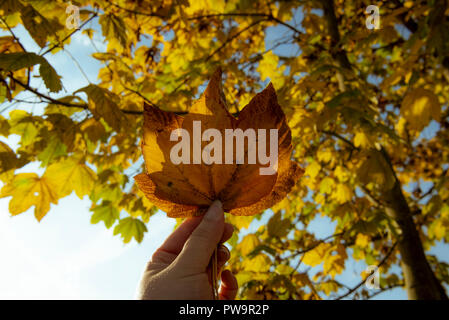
<point x="315" y="256"/>
<point x="260" y="263"/>
<point x="313" y="169"/>
<point x="362" y="240"/>
<point x="341" y="173"/>
<point x="71" y="174"/>
<point x="268" y="68"/>
<point x="324" y="155"/>
<point x="328" y="287"/>
<point x="361" y="139"/>
<point x="401" y="127"/>
<point x="334" y="264"/>
<point x="343" y="193"/>
<point x="327" y="185"/>
<point x="248" y="244"/>
<point x="284" y="269"/>
<point x="38" y="26"/>
<point x="240" y="222"/>
<point x="419" y="107"/>
<point x="28" y="189"/>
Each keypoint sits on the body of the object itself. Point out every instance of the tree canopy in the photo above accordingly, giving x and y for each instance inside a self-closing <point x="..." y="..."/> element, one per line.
<point x="368" y="109"/>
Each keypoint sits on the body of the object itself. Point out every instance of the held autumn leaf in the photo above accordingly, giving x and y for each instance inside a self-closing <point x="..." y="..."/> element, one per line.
<point x="231" y="173"/>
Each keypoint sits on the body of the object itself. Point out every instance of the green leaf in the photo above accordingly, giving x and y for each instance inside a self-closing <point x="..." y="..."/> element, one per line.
<point x="72" y="174"/>
<point x="54" y="149"/>
<point x="51" y="79"/>
<point x="261" y="248"/>
<point x="102" y="105"/>
<point x="4" y="126"/>
<point x="23" y="124"/>
<point x="105" y="212"/>
<point x="4" y="93"/>
<point x="278" y="227"/>
<point x="38" y="26"/>
<point x="113" y="27"/>
<point x="8" y="159"/>
<point x="339" y="99"/>
<point x="19" y="60"/>
<point x="130" y="228"/>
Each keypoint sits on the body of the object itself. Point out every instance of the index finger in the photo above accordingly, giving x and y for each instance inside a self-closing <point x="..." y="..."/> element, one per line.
<point x="175" y="241"/>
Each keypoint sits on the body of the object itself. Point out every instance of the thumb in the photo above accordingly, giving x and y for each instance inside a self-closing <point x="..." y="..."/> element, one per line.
<point x="198" y="249"/>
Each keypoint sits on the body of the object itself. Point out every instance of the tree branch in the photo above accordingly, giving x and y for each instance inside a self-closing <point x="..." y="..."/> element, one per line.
<point x="338" y="53"/>
<point x="62" y="103"/>
<point x="68" y="36"/>
<point x="363" y="281"/>
<point x="234" y="36"/>
<point x="334" y="134"/>
<point x="316" y="244"/>
<point x="20" y="44"/>
<point x="269" y="17"/>
<point x="382" y="290"/>
<point x="147" y="14"/>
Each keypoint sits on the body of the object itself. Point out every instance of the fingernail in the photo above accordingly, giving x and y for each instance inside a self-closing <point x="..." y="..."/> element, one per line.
<point x="215" y="211"/>
<point x="224" y="251"/>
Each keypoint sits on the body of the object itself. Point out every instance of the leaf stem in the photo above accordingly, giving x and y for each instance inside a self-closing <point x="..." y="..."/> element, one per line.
<point x="214" y="274"/>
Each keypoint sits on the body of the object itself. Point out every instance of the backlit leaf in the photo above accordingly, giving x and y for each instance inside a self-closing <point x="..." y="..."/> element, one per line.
<point x="71" y="175"/>
<point x="51" y="79"/>
<point x="105" y="212"/>
<point x="103" y="104"/>
<point x="129" y="228"/>
<point x="113" y="27"/>
<point x="419" y="107"/>
<point x="28" y="189"/>
<point x="188" y="189"/>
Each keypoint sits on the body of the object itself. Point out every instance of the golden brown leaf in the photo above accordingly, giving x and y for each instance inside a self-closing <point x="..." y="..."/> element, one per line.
<point x="188" y="189"/>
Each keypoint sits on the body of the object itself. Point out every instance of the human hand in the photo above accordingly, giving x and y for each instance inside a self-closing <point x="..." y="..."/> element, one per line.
<point x="179" y="269"/>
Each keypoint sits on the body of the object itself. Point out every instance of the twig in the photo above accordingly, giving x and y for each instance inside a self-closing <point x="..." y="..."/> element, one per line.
<point x="316" y="244"/>
<point x="134" y="11"/>
<point x="334" y="134"/>
<point x="269" y="17"/>
<point x="382" y="290"/>
<point x="370" y="197"/>
<point x="233" y="37"/>
<point x="363" y="281"/>
<point x="68" y="36"/>
<point x="62" y="103"/>
<point x="20" y="44"/>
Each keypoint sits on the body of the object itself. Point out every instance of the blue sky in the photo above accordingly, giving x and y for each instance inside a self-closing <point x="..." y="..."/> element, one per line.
<point x="66" y="257"/>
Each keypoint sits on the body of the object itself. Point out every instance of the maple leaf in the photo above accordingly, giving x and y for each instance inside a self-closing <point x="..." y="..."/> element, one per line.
<point x="184" y="190"/>
<point x="28" y="189"/>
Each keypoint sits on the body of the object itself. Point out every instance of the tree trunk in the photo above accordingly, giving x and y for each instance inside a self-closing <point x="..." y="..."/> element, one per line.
<point x="420" y="281"/>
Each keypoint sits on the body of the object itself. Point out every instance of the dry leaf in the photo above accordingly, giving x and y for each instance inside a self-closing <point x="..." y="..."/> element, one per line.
<point x="185" y="190"/>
